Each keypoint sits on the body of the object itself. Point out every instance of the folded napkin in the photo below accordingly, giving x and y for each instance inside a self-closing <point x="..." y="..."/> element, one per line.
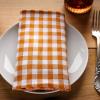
<point x="41" y="52"/>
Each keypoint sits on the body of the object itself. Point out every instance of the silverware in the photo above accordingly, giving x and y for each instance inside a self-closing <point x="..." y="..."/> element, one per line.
<point x="96" y="33"/>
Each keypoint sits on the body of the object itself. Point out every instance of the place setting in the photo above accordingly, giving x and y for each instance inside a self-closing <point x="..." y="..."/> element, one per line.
<point x="44" y="54"/>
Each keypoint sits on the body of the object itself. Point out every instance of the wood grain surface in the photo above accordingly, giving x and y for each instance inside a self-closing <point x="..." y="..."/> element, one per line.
<point x="83" y="89"/>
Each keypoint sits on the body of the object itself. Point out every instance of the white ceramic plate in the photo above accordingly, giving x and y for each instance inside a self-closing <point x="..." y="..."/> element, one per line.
<point x="77" y="53"/>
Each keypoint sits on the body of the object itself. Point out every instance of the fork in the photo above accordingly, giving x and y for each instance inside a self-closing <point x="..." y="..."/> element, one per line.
<point x="96" y="33"/>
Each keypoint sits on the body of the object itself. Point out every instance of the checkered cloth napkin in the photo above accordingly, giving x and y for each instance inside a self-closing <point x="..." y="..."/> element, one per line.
<point x="41" y="52"/>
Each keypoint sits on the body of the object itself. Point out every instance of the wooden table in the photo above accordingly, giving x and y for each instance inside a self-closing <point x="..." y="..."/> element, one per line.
<point x="83" y="89"/>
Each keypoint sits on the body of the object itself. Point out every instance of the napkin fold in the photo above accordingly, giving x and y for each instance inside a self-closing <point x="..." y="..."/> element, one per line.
<point x="41" y="52"/>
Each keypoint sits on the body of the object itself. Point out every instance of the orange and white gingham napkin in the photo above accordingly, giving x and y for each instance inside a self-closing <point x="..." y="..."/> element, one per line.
<point x="41" y="52"/>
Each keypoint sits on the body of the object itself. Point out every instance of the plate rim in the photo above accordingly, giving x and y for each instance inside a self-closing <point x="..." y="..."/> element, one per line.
<point x="87" y="51"/>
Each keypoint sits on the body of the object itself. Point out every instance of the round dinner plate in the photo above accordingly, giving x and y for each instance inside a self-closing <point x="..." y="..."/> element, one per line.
<point x="77" y="53"/>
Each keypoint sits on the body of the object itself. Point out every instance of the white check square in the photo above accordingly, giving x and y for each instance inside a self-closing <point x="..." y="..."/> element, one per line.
<point x="36" y="29"/>
<point x="24" y="82"/>
<point x="27" y="22"/>
<point x="24" y="71"/>
<point x="26" y="45"/>
<point x="25" y="53"/>
<point x="34" y="71"/>
<point x="24" y="62"/>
